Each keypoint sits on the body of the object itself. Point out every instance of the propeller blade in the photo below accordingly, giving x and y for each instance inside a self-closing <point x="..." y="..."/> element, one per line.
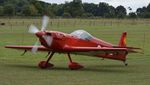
<point x="35" y="47"/>
<point x="48" y="39"/>
<point x="33" y="29"/>
<point x="44" y="23"/>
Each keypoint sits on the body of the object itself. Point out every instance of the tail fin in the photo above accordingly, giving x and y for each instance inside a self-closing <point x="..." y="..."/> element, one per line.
<point x="122" y="42"/>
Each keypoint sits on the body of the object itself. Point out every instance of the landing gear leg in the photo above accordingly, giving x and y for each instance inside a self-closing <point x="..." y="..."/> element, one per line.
<point x="46" y="64"/>
<point x="73" y="65"/>
<point x="125" y="63"/>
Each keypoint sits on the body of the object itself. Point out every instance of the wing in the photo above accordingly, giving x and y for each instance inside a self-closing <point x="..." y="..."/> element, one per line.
<point x="104" y="49"/>
<point x="110" y="53"/>
<point x="40" y="48"/>
<point x="131" y="49"/>
<point x="86" y="49"/>
<point x="92" y="51"/>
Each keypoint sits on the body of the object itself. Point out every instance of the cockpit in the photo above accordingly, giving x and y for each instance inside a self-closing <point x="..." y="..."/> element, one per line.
<point x="82" y="34"/>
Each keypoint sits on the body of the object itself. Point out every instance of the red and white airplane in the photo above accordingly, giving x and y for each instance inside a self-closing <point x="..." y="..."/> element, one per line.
<point x="78" y="42"/>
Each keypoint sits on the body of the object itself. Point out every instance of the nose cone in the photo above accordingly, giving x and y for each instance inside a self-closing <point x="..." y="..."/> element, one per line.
<point x="39" y="34"/>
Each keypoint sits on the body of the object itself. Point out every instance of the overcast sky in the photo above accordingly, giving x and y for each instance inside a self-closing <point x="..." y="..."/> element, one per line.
<point x="134" y="4"/>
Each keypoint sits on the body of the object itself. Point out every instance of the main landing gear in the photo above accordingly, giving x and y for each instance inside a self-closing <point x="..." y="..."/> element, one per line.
<point x="72" y="65"/>
<point x="46" y="64"/>
<point x="125" y="63"/>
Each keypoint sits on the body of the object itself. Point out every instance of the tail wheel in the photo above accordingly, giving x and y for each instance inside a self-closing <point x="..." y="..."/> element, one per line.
<point x="44" y="65"/>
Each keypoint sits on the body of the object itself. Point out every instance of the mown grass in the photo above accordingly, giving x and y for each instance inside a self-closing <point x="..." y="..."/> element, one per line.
<point x="23" y="70"/>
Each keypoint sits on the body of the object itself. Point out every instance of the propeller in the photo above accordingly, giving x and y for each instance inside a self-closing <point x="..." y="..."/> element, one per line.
<point x="35" y="47"/>
<point x="48" y="39"/>
<point x="33" y="29"/>
<point x="45" y="23"/>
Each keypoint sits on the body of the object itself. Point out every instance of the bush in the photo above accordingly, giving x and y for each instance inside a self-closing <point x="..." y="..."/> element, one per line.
<point x="132" y="15"/>
<point x="66" y="15"/>
<point x="86" y="15"/>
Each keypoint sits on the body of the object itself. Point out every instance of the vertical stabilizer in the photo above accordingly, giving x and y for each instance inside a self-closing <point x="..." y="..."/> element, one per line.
<point x="122" y="42"/>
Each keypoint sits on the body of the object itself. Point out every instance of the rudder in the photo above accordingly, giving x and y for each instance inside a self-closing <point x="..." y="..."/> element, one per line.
<point x="122" y="42"/>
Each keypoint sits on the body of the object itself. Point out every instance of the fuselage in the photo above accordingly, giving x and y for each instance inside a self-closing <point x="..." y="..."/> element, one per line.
<point x="61" y="39"/>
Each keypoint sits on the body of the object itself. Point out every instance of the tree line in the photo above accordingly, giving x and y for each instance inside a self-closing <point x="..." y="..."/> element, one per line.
<point x="73" y="9"/>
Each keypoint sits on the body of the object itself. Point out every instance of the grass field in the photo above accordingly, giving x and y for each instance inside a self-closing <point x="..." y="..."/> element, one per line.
<point x="23" y="70"/>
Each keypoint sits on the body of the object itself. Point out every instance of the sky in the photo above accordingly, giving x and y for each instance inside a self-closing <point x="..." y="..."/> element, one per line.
<point x="134" y="4"/>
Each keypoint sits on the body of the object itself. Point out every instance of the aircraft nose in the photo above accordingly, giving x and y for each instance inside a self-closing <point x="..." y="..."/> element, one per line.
<point x="39" y="34"/>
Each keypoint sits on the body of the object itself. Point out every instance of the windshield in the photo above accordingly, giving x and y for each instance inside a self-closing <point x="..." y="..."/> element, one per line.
<point x="82" y="34"/>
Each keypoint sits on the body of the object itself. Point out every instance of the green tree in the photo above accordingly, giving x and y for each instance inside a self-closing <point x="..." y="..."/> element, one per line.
<point x="34" y="11"/>
<point x="148" y="8"/>
<point x="1" y="10"/>
<point x="66" y="7"/>
<point x="144" y="12"/>
<point x="39" y="8"/>
<point x="32" y="1"/>
<point x="26" y="10"/>
<point x="19" y="6"/>
<point x="66" y="15"/>
<point x="147" y="12"/>
<point x="77" y="1"/>
<point x="103" y="8"/>
<point x="76" y="8"/>
<point x="132" y="15"/>
<point x="140" y="12"/>
<point x="87" y="15"/>
<point x="146" y="15"/>
<point x="58" y="10"/>
<point x="9" y="9"/>
<point x="49" y="11"/>
<point x="121" y="12"/>
<point x="30" y="10"/>
<point x="90" y="8"/>
<point x="2" y="1"/>
<point x="110" y="13"/>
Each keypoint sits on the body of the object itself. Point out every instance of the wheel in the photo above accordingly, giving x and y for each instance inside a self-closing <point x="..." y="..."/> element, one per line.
<point x="75" y="66"/>
<point x="44" y="65"/>
<point x="126" y="64"/>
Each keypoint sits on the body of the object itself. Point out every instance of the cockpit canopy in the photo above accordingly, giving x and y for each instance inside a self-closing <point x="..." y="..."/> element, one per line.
<point x="82" y="34"/>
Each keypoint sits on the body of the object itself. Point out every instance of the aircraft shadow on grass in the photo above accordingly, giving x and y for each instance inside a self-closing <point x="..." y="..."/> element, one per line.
<point x="104" y="68"/>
